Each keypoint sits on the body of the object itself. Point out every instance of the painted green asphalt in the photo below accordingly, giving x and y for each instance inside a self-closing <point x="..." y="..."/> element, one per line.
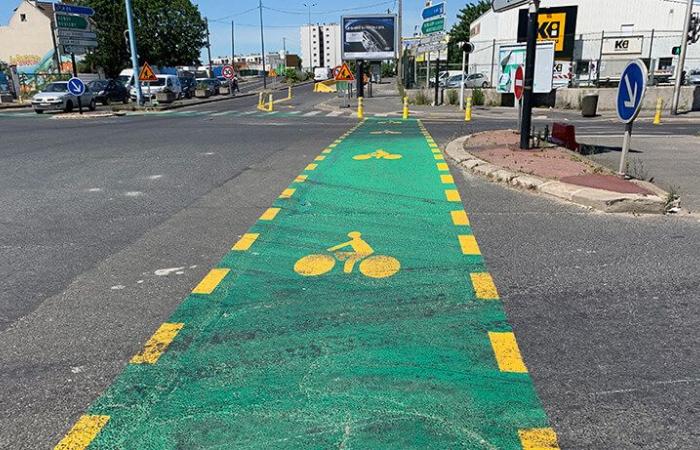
<point x="272" y="359"/>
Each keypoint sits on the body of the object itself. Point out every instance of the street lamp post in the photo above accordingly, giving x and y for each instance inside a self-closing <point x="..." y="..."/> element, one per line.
<point x="134" y="52"/>
<point x="311" y="59"/>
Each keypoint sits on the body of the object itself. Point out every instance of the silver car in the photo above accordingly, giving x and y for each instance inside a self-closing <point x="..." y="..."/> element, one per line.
<point x="475" y="80"/>
<point x="693" y="78"/>
<point x="56" y="97"/>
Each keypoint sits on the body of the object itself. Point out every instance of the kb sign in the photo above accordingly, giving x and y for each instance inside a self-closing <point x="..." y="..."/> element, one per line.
<point x="619" y="45"/>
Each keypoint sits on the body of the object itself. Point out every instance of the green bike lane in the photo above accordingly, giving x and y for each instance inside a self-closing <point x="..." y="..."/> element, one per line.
<point x="356" y="313"/>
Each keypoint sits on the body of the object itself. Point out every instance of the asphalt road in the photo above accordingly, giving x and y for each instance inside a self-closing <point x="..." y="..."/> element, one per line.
<point x="109" y="223"/>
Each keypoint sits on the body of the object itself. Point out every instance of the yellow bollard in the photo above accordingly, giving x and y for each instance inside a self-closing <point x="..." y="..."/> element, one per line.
<point x="289" y="93"/>
<point x="405" y="108"/>
<point x="360" y="108"/>
<point x="659" y="108"/>
<point x="468" y="110"/>
<point x="269" y="108"/>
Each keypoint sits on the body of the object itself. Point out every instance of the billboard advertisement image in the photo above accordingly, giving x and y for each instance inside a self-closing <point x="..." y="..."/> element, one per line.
<point x="369" y="37"/>
<point x="512" y="56"/>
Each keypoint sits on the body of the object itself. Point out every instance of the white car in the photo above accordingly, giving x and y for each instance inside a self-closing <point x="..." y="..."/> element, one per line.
<point x="56" y="97"/>
<point x="169" y="82"/>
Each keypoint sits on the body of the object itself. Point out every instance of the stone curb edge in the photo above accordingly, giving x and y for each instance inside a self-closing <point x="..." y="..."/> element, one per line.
<point x="602" y="200"/>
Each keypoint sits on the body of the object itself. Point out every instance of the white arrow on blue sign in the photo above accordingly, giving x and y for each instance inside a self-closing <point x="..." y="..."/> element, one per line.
<point x="73" y="9"/>
<point x="633" y="85"/>
<point x="76" y="86"/>
<point x="434" y="11"/>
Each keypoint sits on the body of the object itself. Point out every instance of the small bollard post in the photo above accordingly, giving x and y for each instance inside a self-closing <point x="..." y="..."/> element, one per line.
<point x="468" y="110"/>
<point x="260" y="100"/>
<point x="269" y="108"/>
<point x="405" y="108"/>
<point x="360" y="108"/>
<point x="659" y="108"/>
<point x="289" y="93"/>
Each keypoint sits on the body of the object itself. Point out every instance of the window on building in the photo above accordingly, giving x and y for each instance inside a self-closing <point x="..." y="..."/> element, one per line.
<point x="665" y="63"/>
<point x="22" y="17"/>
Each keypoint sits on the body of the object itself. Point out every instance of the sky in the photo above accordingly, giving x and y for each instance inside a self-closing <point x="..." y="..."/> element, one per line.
<point x="282" y="19"/>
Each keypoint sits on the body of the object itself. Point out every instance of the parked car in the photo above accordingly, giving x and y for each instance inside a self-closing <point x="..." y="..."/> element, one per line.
<point x="212" y="85"/>
<point x="188" y="84"/>
<point x="453" y="81"/>
<point x="165" y="82"/>
<point x="56" y="97"/>
<point x="693" y="78"/>
<point x="107" y="91"/>
<point x="476" y="80"/>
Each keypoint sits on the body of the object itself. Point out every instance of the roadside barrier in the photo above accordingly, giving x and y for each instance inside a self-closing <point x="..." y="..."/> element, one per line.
<point x="360" y="108"/>
<point x="468" y="110"/>
<point x="659" y="108"/>
<point x="405" y="108"/>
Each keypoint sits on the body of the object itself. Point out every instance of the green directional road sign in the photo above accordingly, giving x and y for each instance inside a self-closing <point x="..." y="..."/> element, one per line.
<point x="433" y="26"/>
<point x="71" y="22"/>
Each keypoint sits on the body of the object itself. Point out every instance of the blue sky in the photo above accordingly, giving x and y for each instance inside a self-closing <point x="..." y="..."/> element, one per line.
<point x="282" y="19"/>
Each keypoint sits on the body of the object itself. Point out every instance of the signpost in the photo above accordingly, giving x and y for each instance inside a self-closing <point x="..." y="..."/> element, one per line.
<point x="72" y="22"/>
<point x="519" y="90"/>
<point x="228" y="72"/>
<point x="73" y="9"/>
<point x="344" y="74"/>
<point x="77" y="88"/>
<point x="146" y="74"/>
<point x="433" y="26"/>
<point x="505" y="5"/>
<point x="630" y="94"/>
<point x="437" y="10"/>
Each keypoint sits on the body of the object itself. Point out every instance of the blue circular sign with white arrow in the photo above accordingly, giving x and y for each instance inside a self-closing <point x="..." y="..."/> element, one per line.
<point x="633" y="86"/>
<point x="76" y="86"/>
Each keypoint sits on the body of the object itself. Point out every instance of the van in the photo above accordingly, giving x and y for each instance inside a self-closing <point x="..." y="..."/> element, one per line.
<point x="169" y="82"/>
<point x="322" y="73"/>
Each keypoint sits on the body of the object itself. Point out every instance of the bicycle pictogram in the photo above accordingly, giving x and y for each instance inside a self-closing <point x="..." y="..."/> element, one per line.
<point x="379" y="154"/>
<point x="371" y="265"/>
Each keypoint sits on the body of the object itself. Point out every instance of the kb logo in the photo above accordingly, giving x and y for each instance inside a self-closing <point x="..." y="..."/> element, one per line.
<point x="622" y="45"/>
<point x="552" y="29"/>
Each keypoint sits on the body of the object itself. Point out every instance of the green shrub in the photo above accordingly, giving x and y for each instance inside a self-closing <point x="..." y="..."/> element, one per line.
<point x="478" y="97"/>
<point x="291" y="76"/>
<point x="421" y="98"/>
<point x="452" y="97"/>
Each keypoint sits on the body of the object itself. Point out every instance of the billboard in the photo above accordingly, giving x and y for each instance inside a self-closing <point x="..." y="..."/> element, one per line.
<point x="369" y="37"/>
<point x="512" y="56"/>
<point x="557" y="25"/>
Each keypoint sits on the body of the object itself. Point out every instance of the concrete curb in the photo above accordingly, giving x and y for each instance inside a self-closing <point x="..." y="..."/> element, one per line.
<point x="602" y="200"/>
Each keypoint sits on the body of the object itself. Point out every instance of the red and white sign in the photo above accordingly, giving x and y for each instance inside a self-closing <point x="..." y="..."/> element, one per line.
<point x="228" y="72"/>
<point x="519" y="85"/>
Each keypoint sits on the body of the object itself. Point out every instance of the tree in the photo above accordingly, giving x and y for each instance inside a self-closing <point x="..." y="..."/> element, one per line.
<point x="460" y="30"/>
<point x="168" y="33"/>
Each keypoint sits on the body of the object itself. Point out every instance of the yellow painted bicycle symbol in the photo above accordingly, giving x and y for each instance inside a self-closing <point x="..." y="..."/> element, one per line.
<point x="379" y="154"/>
<point x="372" y="266"/>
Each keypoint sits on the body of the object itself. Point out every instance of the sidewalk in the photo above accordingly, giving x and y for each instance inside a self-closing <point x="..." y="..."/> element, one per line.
<point x="672" y="162"/>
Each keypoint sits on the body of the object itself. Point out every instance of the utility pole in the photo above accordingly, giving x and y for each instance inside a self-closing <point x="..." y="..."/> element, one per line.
<point x="681" y="60"/>
<point x="262" y="45"/>
<point x="528" y="96"/>
<point x="284" y="46"/>
<point x="211" y="72"/>
<point x="233" y="46"/>
<point x="399" y="62"/>
<point x="134" y="54"/>
<point x="311" y="58"/>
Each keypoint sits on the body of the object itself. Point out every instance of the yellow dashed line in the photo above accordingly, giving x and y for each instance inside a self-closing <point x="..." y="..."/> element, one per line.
<point x="210" y="281"/>
<point x="484" y="287"/>
<point x="319" y="158"/>
<point x="245" y="242"/>
<point x="469" y="245"/>
<point x="300" y="178"/>
<point x="287" y="193"/>
<point x="333" y="145"/>
<point x="435" y="150"/>
<point x="438" y="157"/>
<point x="538" y="439"/>
<point x="327" y="151"/>
<point x="447" y="179"/>
<point x="82" y="433"/>
<point x="460" y="218"/>
<point x="507" y="353"/>
<point x="443" y="167"/>
<point x="452" y="195"/>
<point x="311" y="167"/>
<point x="158" y="343"/>
<point x="270" y="214"/>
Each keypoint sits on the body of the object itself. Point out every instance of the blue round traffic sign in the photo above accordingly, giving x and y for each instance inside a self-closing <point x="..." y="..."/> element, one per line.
<point x="76" y="86"/>
<point x="630" y="93"/>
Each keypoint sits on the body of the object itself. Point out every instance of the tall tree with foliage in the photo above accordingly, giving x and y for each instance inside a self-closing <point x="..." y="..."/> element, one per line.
<point x="460" y="30"/>
<point x="168" y="33"/>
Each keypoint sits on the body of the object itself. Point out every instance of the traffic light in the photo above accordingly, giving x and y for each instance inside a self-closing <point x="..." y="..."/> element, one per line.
<point x="694" y="29"/>
<point x="676" y="51"/>
<point x="465" y="46"/>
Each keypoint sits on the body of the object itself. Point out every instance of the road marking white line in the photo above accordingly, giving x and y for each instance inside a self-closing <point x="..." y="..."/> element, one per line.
<point x="311" y="113"/>
<point x="334" y="113"/>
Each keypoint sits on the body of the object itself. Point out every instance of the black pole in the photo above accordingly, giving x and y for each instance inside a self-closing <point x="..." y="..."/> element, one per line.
<point x="75" y="74"/>
<point x="528" y="95"/>
<point x="437" y="75"/>
<point x="262" y="46"/>
<point x="233" y="46"/>
<point x="359" y="78"/>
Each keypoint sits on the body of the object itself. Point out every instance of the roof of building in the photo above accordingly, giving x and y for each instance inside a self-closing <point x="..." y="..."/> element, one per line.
<point x="46" y="8"/>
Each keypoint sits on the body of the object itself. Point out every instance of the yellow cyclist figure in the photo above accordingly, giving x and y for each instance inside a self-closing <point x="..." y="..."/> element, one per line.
<point x="361" y="250"/>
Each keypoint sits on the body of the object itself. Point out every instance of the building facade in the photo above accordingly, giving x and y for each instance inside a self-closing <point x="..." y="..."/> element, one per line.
<point x="320" y="46"/>
<point x="594" y="39"/>
<point x="26" y="40"/>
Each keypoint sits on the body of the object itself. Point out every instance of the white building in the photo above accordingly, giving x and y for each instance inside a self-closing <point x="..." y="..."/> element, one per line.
<point x="599" y="35"/>
<point x="320" y="45"/>
<point x="26" y="40"/>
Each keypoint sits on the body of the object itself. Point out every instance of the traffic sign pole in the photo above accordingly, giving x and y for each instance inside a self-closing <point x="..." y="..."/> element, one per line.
<point x="134" y="52"/>
<point x="75" y="75"/>
<point x="526" y="122"/>
<point x="630" y="95"/>
<point x="681" y="59"/>
<point x="625" y="148"/>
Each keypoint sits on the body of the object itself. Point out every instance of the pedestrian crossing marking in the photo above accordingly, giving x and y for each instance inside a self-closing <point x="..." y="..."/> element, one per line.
<point x="311" y="113"/>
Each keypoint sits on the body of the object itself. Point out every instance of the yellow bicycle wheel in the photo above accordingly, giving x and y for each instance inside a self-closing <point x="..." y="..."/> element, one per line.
<point x="314" y="265"/>
<point x="379" y="266"/>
